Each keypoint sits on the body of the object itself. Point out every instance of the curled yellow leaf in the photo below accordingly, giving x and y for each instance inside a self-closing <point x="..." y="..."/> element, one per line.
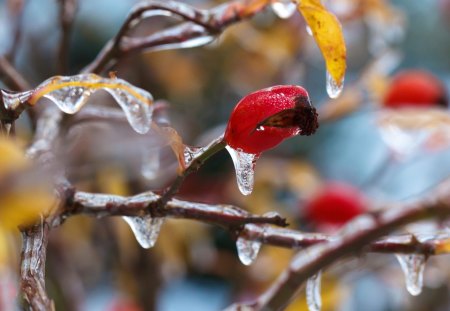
<point x="327" y="32"/>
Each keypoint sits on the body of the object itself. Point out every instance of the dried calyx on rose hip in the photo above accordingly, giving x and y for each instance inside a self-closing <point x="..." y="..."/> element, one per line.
<point x="415" y="88"/>
<point x="262" y="120"/>
<point x="334" y="205"/>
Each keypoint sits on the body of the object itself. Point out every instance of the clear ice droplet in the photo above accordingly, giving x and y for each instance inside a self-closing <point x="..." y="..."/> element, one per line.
<point x="313" y="298"/>
<point x="244" y="165"/>
<point x="247" y="250"/>
<point x="145" y="229"/>
<point x="284" y="8"/>
<point x="334" y="89"/>
<point x="413" y="266"/>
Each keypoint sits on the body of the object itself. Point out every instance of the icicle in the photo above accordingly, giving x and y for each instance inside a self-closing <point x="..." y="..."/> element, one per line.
<point x="145" y="229"/>
<point x="413" y="266"/>
<point x="334" y="89"/>
<point x="150" y="164"/>
<point x="71" y="93"/>
<point x="313" y="298"/>
<point x="248" y="249"/>
<point x="284" y="8"/>
<point x="8" y="127"/>
<point x="244" y="164"/>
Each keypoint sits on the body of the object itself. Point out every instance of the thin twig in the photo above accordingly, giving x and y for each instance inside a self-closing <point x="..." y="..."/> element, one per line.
<point x="355" y="240"/>
<point x="293" y="239"/>
<point x="14" y="79"/>
<point x="214" y="147"/>
<point x="67" y="11"/>
<point x="198" y="23"/>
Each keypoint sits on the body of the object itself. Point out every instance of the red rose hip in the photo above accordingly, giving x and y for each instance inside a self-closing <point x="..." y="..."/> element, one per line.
<point x="334" y="205"/>
<point x="263" y="119"/>
<point x="415" y="88"/>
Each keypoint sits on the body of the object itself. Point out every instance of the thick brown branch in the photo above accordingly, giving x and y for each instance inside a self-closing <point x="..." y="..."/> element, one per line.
<point x="34" y="251"/>
<point x="228" y="216"/>
<point x="359" y="234"/>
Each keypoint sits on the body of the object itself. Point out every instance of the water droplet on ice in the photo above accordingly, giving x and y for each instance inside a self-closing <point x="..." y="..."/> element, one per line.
<point x="284" y="8"/>
<point x="244" y="165"/>
<point x="313" y="298"/>
<point x="145" y="229"/>
<point x="413" y="266"/>
<point x="334" y="89"/>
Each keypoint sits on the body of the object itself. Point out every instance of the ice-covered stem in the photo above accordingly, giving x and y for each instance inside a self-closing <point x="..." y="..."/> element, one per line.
<point x="33" y="257"/>
<point x="99" y="205"/>
<point x="12" y="78"/>
<point x="361" y="233"/>
<point x="214" y="147"/>
<point x="212" y="22"/>
<point x="67" y="11"/>
<point x="402" y="244"/>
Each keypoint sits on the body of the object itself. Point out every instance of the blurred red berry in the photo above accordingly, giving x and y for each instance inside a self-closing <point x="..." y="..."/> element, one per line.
<point x="334" y="205"/>
<point x="263" y="119"/>
<point x="415" y="88"/>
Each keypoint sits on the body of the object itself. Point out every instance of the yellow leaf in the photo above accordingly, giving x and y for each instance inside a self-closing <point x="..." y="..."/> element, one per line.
<point x="327" y="32"/>
<point x="12" y="158"/>
<point x="21" y="201"/>
<point x="23" y="206"/>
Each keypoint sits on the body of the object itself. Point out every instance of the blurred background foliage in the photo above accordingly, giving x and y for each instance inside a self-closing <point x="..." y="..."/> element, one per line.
<point x="96" y="264"/>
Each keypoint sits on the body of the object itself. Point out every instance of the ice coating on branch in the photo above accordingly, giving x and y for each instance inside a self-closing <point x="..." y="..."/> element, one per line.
<point x="190" y="153"/>
<point x="145" y="229"/>
<point x="334" y="88"/>
<point x="12" y="100"/>
<point x="244" y="165"/>
<point x="201" y="38"/>
<point x="248" y="249"/>
<point x="313" y="298"/>
<point x="413" y="266"/>
<point x="70" y="94"/>
<point x="284" y="8"/>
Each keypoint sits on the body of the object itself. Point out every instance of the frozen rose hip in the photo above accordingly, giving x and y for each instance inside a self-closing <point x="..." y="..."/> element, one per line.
<point x="415" y="88"/>
<point x="263" y="119"/>
<point x="334" y="205"/>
